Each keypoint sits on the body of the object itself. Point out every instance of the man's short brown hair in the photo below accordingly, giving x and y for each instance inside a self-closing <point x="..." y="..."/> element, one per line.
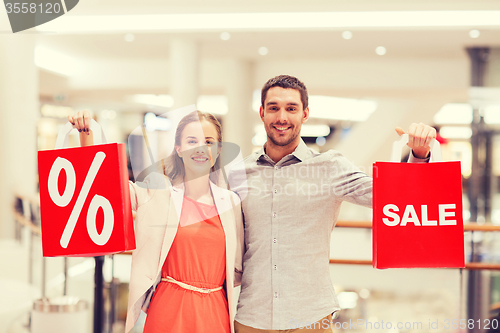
<point x="286" y="82"/>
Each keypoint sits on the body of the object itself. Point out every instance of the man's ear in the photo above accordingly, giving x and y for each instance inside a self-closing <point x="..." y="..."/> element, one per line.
<point x="261" y="113"/>
<point x="306" y="115"/>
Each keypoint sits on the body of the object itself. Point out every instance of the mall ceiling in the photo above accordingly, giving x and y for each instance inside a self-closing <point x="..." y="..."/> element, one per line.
<point x="292" y="43"/>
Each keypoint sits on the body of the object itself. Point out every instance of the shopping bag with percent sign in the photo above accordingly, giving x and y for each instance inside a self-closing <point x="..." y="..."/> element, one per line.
<point x="417" y="212"/>
<point x="84" y="198"/>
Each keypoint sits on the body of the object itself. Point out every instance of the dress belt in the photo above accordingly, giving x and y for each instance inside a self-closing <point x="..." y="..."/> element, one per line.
<point x="190" y="287"/>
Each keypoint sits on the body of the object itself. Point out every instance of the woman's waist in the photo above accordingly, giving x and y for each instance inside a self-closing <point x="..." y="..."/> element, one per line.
<point x="199" y="282"/>
<point x="200" y="285"/>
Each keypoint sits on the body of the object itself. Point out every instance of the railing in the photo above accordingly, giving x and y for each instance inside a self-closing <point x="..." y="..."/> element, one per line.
<point x="471" y="226"/>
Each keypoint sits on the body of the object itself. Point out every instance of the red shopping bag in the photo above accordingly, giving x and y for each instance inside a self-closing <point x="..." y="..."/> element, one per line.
<point x="85" y="199"/>
<point x="417" y="213"/>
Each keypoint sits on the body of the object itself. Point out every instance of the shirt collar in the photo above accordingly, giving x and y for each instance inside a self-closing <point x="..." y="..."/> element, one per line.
<point x="301" y="152"/>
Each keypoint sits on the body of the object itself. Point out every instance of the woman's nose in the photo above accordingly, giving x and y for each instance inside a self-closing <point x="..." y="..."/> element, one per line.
<point x="201" y="147"/>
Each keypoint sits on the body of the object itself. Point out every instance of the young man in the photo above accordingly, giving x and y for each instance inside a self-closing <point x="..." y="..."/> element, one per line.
<point x="293" y="200"/>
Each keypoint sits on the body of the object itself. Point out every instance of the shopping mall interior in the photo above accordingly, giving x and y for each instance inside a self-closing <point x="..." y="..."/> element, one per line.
<point x="369" y="66"/>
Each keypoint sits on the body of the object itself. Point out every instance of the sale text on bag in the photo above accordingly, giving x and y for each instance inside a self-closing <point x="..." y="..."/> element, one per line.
<point x="445" y="213"/>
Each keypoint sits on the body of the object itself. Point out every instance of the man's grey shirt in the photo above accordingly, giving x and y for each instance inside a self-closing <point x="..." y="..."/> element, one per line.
<point x="290" y="209"/>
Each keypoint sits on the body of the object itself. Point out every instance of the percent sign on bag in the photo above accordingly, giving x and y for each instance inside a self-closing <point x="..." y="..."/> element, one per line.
<point x="85" y="201"/>
<point x="96" y="203"/>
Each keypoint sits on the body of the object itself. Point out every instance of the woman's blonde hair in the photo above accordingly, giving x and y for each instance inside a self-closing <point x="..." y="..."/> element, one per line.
<point x="174" y="166"/>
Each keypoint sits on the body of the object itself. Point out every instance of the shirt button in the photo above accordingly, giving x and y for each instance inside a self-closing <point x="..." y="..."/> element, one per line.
<point x="274" y="267"/>
<point x="274" y="214"/>
<point x="276" y="167"/>
<point x="275" y="240"/>
<point x="275" y="190"/>
<point x="275" y="294"/>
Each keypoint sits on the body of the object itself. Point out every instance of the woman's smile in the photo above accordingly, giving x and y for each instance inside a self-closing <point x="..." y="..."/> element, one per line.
<point x="199" y="159"/>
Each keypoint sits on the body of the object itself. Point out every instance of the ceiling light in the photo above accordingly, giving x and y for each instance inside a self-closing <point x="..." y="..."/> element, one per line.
<point x="263" y="50"/>
<point x="215" y="104"/>
<point x="492" y="114"/>
<point x="454" y="113"/>
<point x="225" y="35"/>
<point x="306" y="130"/>
<point x="364" y="293"/>
<point x="347" y="34"/>
<point x="155" y="123"/>
<point x="54" y="61"/>
<point x="129" y="37"/>
<point x="108" y="114"/>
<point x="256" y="102"/>
<point x="150" y="99"/>
<point x="347" y="299"/>
<point x="336" y="108"/>
<point x="270" y="21"/>
<point x="380" y="50"/>
<point x="56" y="111"/>
<point x="320" y="141"/>
<point x="455" y="132"/>
<point x="259" y="138"/>
<point x="474" y="33"/>
<point x="315" y="130"/>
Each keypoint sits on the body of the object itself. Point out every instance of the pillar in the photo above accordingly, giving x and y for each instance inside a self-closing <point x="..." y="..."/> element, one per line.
<point x="485" y="74"/>
<point x="18" y="118"/>
<point x="240" y="120"/>
<point x="184" y="84"/>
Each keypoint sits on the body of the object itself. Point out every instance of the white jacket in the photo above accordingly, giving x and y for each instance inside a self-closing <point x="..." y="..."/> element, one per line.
<point x="158" y="205"/>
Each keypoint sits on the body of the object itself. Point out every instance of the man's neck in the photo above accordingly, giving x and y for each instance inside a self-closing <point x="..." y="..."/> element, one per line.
<point x="276" y="153"/>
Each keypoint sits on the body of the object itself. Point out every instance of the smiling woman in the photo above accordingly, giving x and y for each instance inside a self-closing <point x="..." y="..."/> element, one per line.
<point x="189" y="235"/>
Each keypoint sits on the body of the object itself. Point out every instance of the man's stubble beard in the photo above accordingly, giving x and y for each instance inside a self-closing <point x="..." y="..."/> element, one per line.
<point x="276" y="143"/>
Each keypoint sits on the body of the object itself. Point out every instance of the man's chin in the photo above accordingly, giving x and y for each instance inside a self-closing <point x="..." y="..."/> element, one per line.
<point x="282" y="142"/>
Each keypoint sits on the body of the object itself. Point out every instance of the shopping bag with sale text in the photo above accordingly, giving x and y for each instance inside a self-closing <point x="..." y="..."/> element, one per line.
<point x="84" y="198"/>
<point x="417" y="212"/>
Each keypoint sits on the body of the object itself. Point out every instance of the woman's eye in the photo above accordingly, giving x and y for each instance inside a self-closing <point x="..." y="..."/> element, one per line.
<point x="209" y="143"/>
<point x="191" y="141"/>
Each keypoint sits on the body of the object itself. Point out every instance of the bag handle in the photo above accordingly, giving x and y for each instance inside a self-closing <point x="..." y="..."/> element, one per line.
<point x="397" y="149"/>
<point x="62" y="140"/>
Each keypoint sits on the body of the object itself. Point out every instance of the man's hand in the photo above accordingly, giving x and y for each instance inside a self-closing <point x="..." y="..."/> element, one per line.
<point x="420" y="136"/>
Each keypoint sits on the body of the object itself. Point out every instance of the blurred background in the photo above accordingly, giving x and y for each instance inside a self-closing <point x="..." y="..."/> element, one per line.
<point x="369" y="66"/>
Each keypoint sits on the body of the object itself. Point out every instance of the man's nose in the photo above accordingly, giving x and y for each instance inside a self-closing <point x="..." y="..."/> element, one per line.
<point x="282" y="115"/>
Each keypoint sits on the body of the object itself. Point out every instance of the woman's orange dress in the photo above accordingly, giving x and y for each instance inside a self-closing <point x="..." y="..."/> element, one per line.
<point x="197" y="257"/>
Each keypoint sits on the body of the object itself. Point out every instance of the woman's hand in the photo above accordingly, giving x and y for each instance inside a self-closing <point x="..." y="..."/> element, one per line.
<point x="81" y="121"/>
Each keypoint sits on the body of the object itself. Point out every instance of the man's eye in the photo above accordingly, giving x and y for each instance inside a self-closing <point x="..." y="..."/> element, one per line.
<point x="291" y="109"/>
